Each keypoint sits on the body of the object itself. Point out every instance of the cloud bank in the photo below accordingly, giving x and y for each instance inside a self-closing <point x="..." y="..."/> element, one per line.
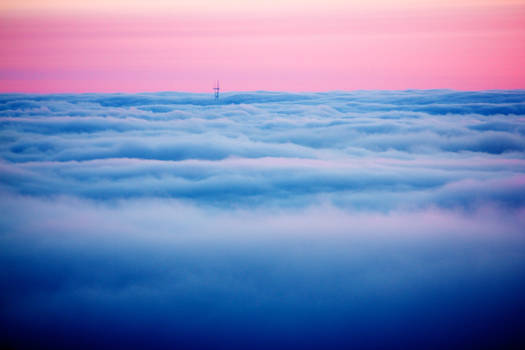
<point x="366" y="219"/>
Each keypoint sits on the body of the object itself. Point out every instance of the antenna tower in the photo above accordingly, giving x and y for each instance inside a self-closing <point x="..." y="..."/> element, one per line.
<point x="216" y="90"/>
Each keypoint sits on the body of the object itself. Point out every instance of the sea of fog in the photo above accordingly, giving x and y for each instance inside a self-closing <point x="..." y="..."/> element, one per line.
<point x="350" y="220"/>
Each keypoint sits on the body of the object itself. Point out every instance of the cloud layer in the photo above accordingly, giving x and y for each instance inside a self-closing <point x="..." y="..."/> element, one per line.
<point x="360" y="150"/>
<point x="316" y="220"/>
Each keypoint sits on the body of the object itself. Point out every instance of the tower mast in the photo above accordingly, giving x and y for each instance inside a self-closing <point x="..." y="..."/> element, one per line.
<point x="216" y="89"/>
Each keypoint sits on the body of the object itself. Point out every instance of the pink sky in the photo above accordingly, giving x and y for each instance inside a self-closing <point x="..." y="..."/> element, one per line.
<point x="112" y="45"/>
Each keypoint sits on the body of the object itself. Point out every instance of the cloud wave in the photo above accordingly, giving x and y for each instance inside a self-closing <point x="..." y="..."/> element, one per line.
<point x="257" y="148"/>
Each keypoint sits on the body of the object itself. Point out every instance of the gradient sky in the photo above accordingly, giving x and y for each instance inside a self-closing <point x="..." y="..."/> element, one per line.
<point x="130" y="46"/>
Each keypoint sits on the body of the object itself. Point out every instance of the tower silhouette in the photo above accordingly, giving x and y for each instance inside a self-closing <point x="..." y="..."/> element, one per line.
<point x="216" y="90"/>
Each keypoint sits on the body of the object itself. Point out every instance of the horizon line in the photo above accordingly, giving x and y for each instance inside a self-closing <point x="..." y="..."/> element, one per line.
<point x="249" y="91"/>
